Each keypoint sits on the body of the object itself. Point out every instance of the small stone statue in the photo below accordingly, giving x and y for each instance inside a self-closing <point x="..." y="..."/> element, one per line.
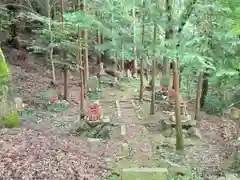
<point x="19" y="102"/>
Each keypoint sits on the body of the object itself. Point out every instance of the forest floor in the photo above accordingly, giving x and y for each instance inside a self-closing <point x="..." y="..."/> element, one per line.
<point x="45" y="148"/>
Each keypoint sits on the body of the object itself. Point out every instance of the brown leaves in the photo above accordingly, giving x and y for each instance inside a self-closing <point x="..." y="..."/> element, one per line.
<point x="33" y="155"/>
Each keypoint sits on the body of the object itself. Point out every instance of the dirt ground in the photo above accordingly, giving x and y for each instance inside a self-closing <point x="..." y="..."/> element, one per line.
<point x="44" y="148"/>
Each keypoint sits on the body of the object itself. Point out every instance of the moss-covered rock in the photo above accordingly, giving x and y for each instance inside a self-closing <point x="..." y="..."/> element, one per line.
<point x="144" y="174"/>
<point x="94" y="129"/>
<point x="8" y="115"/>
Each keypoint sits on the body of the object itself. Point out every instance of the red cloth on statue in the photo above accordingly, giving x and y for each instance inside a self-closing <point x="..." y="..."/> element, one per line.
<point x="53" y="100"/>
<point x="171" y="93"/>
<point x="94" y="112"/>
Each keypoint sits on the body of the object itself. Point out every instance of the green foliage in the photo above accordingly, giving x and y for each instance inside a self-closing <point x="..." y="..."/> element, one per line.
<point x="232" y="10"/>
<point x="215" y="105"/>
<point x="8" y="118"/>
<point x="236" y="164"/>
<point x="207" y="42"/>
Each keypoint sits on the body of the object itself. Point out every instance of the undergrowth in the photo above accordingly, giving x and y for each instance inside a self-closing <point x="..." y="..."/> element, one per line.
<point x="215" y="105"/>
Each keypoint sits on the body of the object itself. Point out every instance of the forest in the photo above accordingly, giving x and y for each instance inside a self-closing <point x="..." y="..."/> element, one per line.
<point x="120" y="90"/>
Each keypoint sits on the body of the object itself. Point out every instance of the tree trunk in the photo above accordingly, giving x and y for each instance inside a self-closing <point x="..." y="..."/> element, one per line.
<point x="122" y="60"/>
<point x="179" y="135"/>
<point x="102" y="39"/>
<point x="80" y="66"/>
<point x="65" y="95"/>
<point x="65" y="72"/>
<point x="86" y="68"/>
<point x="204" y="90"/>
<point x="141" y="61"/>
<point x="141" y="80"/>
<point x="168" y="35"/>
<point x="85" y="61"/>
<point x="81" y="74"/>
<point x="98" y="42"/>
<point x="134" y="64"/>
<point x="152" y="108"/>
<point x="48" y="7"/>
<point x="174" y="79"/>
<point x="198" y="97"/>
<point x="8" y="114"/>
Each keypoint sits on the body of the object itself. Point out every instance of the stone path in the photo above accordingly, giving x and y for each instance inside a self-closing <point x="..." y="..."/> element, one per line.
<point x="137" y="146"/>
<point x="136" y="135"/>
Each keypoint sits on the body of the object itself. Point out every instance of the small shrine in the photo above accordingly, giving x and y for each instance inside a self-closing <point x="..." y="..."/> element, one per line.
<point x="96" y="125"/>
<point x="23" y="109"/>
<point x="94" y="112"/>
<point x="162" y="91"/>
<point x="52" y="102"/>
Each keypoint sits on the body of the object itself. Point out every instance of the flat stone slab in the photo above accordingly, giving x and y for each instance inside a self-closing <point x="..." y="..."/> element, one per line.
<point x="144" y="174"/>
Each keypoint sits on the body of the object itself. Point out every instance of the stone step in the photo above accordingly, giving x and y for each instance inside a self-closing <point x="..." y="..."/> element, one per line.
<point x="144" y="174"/>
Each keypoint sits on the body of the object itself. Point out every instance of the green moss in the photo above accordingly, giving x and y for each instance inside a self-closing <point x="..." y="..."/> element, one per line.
<point x="10" y="120"/>
<point x="4" y="71"/>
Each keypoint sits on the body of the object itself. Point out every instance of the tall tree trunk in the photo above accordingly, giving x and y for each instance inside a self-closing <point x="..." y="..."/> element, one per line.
<point x="48" y="7"/>
<point x="134" y="60"/>
<point x="80" y="64"/>
<point x="85" y="50"/>
<point x="152" y="108"/>
<point x="65" y="69"/>
<point x="204" y="90"/>
<point x="179" y="135"/>
<point x="81" y="72"/>
<point x="122" y="60"/>
<point x="98" y="42"/>
<point x="86" y="68"/>
<point x="207" y="32"/>
<point x="65" y="72"/>
<point x="198" y="97"/>
<point x="168" y="35"/>
<point x="142" y="59"/>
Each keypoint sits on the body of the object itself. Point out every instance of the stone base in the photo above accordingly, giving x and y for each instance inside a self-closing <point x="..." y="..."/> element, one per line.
<point x="94" y="129"/>
<point x="144" y="174"/>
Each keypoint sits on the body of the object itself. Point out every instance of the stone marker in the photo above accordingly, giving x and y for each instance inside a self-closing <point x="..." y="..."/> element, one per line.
<point x="93" y="83"/>
<point x="144" y="174"/>
<point x="123" y="130"/>
<point x="93" y="88"/>
<point x="19" y="102"/>
<point x="125" y="149"/>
